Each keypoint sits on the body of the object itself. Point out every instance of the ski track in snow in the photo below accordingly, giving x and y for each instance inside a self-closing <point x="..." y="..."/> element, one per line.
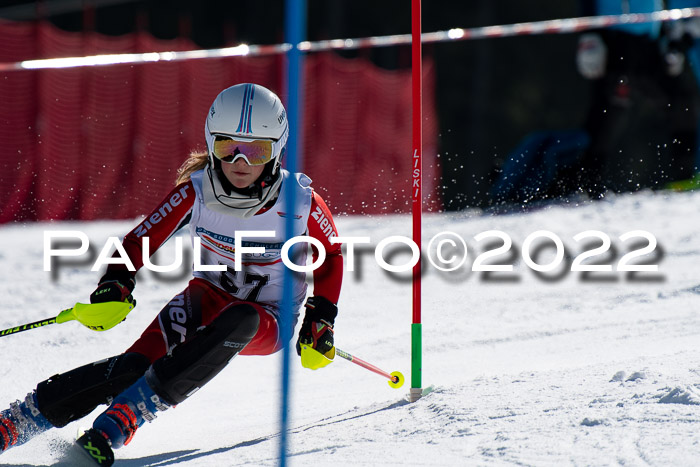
<point x="522" y="370"/>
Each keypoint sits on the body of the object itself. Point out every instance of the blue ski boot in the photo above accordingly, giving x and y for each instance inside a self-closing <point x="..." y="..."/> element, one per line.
<point x="128" y="412"/>
<point x="21" y="422"/>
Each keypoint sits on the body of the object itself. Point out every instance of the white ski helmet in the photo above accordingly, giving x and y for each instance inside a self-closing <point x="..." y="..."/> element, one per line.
<point x="253" y="116"/>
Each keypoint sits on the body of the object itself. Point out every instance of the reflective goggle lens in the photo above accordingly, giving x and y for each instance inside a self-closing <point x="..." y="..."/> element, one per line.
<point x="256" y="152"/>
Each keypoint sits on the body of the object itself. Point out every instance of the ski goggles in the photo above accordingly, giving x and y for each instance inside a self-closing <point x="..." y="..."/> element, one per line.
<point x="254" y="152"/>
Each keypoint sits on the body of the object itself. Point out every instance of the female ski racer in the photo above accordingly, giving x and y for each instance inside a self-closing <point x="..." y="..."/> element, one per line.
<point x="238" y="185"/>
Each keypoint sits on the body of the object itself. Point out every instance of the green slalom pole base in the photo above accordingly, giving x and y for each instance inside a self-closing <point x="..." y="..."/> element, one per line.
<point x="416" y="391"/>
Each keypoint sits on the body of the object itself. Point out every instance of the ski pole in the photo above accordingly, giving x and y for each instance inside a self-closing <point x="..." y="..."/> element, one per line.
<point x="96" y="316"/>
<point x="28" y="326"/>
<point x="395" y="378"/>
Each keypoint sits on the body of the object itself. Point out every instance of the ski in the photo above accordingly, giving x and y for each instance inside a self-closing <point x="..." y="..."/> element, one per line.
<point x="95" y="447"/>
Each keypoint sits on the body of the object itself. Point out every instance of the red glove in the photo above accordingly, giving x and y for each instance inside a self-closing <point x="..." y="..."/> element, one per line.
<point x="317" y="327"/>
<point x="114" y="288"/>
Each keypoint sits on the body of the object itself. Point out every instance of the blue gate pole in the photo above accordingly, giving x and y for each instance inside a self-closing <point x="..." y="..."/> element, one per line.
<point x="295" y="25"/>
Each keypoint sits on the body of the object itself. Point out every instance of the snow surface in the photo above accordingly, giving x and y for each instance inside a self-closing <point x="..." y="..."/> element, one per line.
<point x="523" y="370"/>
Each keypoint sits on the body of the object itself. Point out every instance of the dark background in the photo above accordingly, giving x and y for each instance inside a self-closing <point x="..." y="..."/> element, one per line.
<point x="490" y="93"/>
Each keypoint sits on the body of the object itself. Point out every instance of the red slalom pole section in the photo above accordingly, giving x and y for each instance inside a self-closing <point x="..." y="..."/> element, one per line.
<point x="395" y="378"/>
<point x="417" y="196"/>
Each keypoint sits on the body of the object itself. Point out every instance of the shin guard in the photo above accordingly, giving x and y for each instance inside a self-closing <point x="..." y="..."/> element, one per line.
<point x="74" y="394"/>
<point x="195" y="362"/>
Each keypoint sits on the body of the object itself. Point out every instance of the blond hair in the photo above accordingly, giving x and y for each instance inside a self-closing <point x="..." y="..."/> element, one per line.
<point x="197" y="161"/>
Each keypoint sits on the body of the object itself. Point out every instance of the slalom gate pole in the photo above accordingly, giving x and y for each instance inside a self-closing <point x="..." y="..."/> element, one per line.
<point x="417" y="201"/>
<point x="295" y="25"/>
<point x="395" y="378"/>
